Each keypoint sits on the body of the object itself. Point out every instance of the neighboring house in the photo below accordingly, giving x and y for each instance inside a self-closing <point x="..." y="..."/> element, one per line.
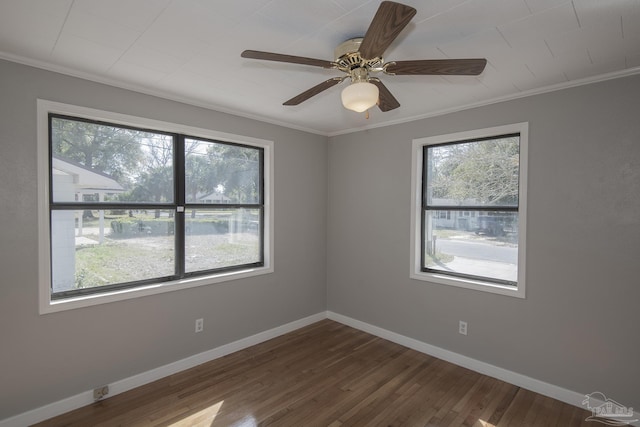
<point x="215" y="197"/>
<point x="479" y="222"/>
<point x="71" y="183"/>
<point x="73" y="178"/>
<point x="461" y="220"/>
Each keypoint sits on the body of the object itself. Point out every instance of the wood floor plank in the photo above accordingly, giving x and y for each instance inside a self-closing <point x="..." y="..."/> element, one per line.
<point x="499" y="402"/>
<point x="326" y="374"/>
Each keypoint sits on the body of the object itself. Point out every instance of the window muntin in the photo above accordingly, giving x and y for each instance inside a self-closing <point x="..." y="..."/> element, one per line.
<point x="117" y="206"/>
<point x="448" y="220"/>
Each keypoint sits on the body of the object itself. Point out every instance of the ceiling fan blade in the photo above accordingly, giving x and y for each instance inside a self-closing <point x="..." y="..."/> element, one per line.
<point x="269" y="56"/>
<point x="389" y="21"/>
<point x="386" y="101"/>
<point x="463" y="67"/>
<point x="314" y="91"/>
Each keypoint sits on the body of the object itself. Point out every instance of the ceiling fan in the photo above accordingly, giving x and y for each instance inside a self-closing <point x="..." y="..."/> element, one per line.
<point x="358" y="58"/>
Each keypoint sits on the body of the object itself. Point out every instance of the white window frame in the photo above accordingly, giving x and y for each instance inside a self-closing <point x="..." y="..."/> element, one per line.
<point x="416" y="210"/>
<point x="46" y="304"/>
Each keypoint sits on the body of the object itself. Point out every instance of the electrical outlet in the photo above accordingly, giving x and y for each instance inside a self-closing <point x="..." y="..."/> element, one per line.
<point x="100" y="392"/>
<point x="462" y="327"/>
<point x="199" y="325"/>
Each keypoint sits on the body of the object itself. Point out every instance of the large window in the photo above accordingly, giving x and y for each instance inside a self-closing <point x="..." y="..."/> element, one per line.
<point x="469" y="218"/>
<point x="136" y="206"/>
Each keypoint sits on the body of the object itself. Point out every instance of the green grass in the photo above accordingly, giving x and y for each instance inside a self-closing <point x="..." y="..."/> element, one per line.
<point x="439" y="258"/>
<point x="115" y="262"/>
<point x="128" y="260"/>
<point x="131" y="255"/>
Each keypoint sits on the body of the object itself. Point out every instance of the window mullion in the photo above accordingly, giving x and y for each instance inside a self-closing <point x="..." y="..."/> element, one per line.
<point x="179" y="190"/>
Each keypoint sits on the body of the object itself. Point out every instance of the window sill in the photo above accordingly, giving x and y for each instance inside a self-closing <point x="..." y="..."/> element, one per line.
<point x="477" y="285"/>
<point x="49" y="306"/>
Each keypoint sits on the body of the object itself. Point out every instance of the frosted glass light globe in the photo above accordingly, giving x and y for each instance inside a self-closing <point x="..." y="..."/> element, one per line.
<point x="360" y="96"/>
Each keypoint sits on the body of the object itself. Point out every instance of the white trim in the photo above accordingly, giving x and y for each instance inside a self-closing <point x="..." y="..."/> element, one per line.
<point x="43" y="65"/>
<point x="416" y="213"/>
<point x="86" y="398"/>
<point x="550" y="390"/>
<point x="47" y="306"/>
<point x="45" y="107"/>
<point x="212" y="106"/>
<point x="525" y="94"/>
<point x="143" y="122"/>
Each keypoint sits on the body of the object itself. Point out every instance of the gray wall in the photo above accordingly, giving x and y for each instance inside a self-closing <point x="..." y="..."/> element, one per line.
<point x="342" y="229"/>
<point x="47" y="358"/>
<point x="577" y="327"/>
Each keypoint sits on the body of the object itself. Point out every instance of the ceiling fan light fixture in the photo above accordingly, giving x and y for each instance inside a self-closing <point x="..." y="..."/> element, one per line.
<point x="360" y="57"/>
<point x="360" y="96"/>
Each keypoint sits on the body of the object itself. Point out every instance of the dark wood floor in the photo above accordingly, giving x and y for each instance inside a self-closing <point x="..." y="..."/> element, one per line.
<point x="326" y="374"/>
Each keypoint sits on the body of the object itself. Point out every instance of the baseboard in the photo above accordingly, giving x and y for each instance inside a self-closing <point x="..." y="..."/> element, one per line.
<point x="541" y="387"/>
<point x="86" y="398"/>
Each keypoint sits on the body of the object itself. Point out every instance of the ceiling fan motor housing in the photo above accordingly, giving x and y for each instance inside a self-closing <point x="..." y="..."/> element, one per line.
<point x="348" y="58"/>
<point x="347" y="47"/>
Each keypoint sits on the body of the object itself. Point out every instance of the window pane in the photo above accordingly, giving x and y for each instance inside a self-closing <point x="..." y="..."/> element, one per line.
<point x="476" y="173"/>
<point x="91" y="248"/>
<point x="484" y="244"/>
<point x="219" y="238"/>
<point x="95" y="162"/>
<point x="218" y="173"/>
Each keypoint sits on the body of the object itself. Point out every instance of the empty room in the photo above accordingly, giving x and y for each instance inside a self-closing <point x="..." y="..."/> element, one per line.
<point x="319" y="213"/>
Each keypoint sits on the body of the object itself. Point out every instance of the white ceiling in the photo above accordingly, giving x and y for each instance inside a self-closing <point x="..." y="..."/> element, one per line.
<point x="189" y="50"/>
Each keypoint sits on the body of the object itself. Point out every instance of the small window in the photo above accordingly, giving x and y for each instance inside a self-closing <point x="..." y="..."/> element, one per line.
<point x="469" y="214"/>
<point x="133" y="207"/>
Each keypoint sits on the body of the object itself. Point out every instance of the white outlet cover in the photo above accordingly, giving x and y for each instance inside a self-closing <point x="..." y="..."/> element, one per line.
<point x="462" y="328"/>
